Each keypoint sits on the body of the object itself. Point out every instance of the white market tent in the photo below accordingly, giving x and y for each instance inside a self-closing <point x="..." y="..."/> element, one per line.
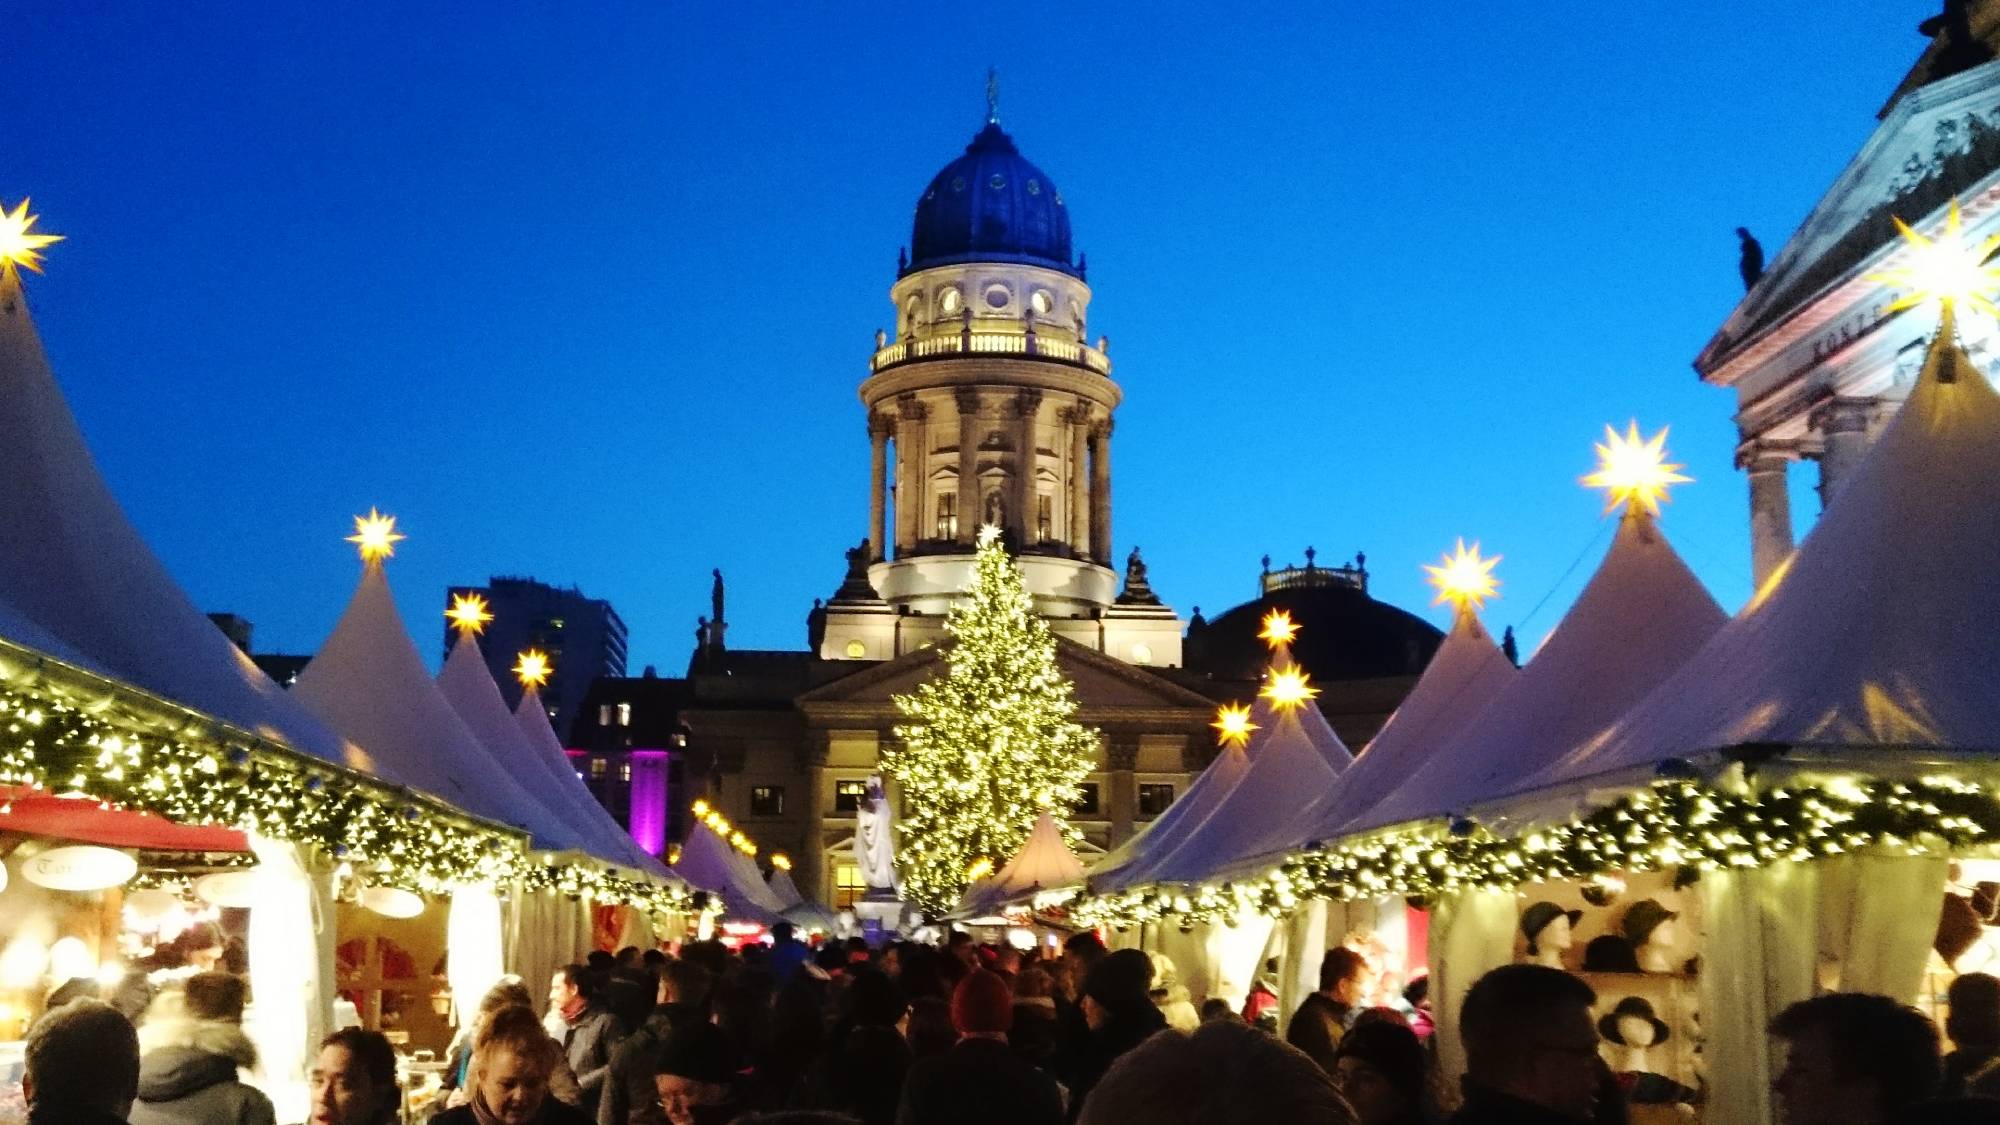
<point x="1640" y="618"/>
<point x="1879" y="634"/>
<point x="1122" y="866"/>
<point x="468" y="686"/>
<point x="712" y="863"/>
<point x="1289" y="769"/>
<point x="368" y="682"/>
<point x="1044" y="862"/>
<point x="1468" y="672"/>
<point x="80" y="584"/>
<point x="808" y="916"/>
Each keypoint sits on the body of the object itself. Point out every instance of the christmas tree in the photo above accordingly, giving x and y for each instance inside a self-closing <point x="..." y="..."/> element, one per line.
<point x="989" y="744"/>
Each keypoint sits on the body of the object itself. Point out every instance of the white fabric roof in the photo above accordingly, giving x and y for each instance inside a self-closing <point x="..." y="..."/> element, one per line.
<point x="468" y="686"/>
<point x="1639" y="619"/>
<point x="781" y="885"/>
<point x="77" y="577"/>
<point x="1466" y="674"/>
<point x="531" y="721"/>
<point x="368" y="682"/>
<point x="709" y="862"/>
<point x="1043" y="862"/>
<point x="1882" y="631"/>
<point x="1123" y="865"/>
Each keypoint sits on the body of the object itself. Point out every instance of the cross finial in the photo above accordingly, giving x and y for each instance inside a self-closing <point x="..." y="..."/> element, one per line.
<point x="993" y="95"/>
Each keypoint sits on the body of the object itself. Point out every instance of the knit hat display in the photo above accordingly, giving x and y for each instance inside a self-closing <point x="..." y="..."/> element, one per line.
<point x="1537" y="917"/>
<point x="1642" y="918"/>
<point x="1637" y="1007"/>
<point x="982" y="1003"/>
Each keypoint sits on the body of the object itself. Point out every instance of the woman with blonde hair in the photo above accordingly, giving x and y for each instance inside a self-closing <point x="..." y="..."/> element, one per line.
<point x="513" y="1060"/>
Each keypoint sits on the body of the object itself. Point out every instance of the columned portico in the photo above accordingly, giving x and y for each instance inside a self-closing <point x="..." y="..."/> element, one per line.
<point x="1077" y="418"/>
<point x="1768" y="466"/>
<point x="969" y="500"/>
<point x="1844" y="424"/>
<point x="878" y="483"/>
<point x="1022" y="518"/>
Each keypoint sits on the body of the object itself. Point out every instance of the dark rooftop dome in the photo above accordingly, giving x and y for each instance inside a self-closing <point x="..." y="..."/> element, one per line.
<point x="991" y="205"/>
<point x="1343" y="635"/>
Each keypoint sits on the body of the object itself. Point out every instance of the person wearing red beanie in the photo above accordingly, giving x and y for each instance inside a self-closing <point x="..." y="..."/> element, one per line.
<point x="981" y="1080"/>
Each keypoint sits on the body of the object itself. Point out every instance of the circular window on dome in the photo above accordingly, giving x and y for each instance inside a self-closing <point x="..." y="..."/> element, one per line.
<point x="997" y="182"/>
<point x="1142" y="654"/>
<point x="1042" y="302"/>
<point x="958" y="183"/>
<point x="997" y="297"/>
<point x="949" y="301"/>
<point x="856" y="650"/>
<point x="1034" y="187"/>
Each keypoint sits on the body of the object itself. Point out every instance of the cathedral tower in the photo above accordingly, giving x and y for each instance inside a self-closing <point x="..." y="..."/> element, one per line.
<point x="991" y="405"/>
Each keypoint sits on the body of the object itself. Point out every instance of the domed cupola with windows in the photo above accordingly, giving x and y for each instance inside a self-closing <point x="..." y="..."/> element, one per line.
<point x="990" y="404"/>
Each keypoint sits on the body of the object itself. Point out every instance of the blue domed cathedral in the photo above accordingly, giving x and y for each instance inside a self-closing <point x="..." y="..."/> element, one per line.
<point x="991" y="403"/>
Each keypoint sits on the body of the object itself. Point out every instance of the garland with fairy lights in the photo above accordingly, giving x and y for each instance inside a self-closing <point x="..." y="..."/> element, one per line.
<point x="1672" y="824"/>
<point x="193" y="775"/>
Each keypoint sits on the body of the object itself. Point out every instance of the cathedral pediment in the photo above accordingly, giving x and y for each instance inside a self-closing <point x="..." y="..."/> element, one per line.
<point x="1103" y="685"/>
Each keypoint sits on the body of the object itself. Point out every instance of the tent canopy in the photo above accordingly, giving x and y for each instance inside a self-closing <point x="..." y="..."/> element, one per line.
<point x="1044" y="862"/>
<point x="1880" y="631"/>
<point x="708" y="861"/>
<point x="1637" y="621"/>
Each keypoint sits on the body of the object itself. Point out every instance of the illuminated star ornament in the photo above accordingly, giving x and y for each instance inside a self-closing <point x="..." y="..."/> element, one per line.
<point x="988" y="534"/>
<point x="1463" y="578"/>
<point x="1232" y="725"/>
<point x="532" y="668"/>
<point x="1278" y="629"/>
<point x="978" y="869"/>
<point x="1634" y="471"/>
<point x="1287" y="688"/>
<point x="468" y="613"/>
<point x="18" y="248"/>
<point x="1946" y="269"/>
<point x="376" y="535"/>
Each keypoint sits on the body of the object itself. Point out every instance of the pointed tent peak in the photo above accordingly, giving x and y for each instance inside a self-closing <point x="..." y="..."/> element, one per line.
<point x="1634" y="471"/>
<point x="1464" y="579"/>
<point x="468" y="614"/>
<point x="1044" y="861"/>
<point x="375" y="536"/>
<point x="20" y="247"/>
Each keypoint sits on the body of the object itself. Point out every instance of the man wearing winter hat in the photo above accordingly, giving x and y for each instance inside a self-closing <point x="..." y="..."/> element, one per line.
<point x="694" y="1074"/>
<point x="980" y="1081"/>
<point x="1121" y="1015"/>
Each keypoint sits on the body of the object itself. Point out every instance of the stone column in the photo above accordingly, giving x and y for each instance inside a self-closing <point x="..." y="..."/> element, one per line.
<point x="912" y="473"/>
<point x="819" y="806"/>
<point x="1077" y="418"/>
<point x="1845" y="423"/>
<point x="1027" y="405"/>
<point x="878" y="484"/>
<point x="1770" y="507"/>
<point x="1121" y="804"/>
<point x="968" y="465"/>
<point x="1100" y="491"/>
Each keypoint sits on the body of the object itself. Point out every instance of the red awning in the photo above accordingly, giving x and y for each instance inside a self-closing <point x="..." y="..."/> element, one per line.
<point x="70" y="818"/>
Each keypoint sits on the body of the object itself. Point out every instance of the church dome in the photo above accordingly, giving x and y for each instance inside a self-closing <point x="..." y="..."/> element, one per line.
<point x="1343" y="635"/>
<point x="991" y="205"/>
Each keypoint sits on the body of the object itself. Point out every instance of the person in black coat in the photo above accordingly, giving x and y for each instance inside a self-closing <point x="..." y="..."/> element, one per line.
<point x="1316" y="1028"/>
<point x="1531" y="1049"/>
<point x="1121" y="1015"/>
<point x="980" y="1080"/>
<point x="82" y="1066"/>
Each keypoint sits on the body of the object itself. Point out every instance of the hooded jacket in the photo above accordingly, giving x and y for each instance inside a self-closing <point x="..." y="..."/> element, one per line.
<point x="187" y="1075"/>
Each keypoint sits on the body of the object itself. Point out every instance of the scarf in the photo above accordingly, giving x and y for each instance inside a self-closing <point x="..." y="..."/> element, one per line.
<point x="573" y="1008"/>
<point x="480" y="1113"/>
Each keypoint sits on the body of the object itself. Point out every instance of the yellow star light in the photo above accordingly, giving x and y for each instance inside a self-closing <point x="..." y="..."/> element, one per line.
<point x="533" y="670"/>
<point x="1232" y="724"/>
<point x="376" y="535"/>
<point x="468" y="613"/>
<point x="1463" y="578"/>
<point x="1288" y="687"/>
<point x="1944" y="269"/>
<point x="978" y="869"/>
<point x="1278" y="628"/>
<point x="988" y="534"/>
<point x="780" y="861"/>
<point x="1633" y="471"/>
<point x="17" y="246"/>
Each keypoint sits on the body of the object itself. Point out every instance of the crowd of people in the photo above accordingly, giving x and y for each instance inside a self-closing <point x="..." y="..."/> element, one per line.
<point x="971" y="1034"/>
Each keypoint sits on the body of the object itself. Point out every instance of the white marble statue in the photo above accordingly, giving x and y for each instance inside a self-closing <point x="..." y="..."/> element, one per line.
<point x="875" y="840"/>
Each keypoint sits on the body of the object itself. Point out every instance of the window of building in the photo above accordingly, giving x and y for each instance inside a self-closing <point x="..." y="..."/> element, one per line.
<point x="767" y="800"/>
<point x="1045" y="516"/>
<point x="1086" y="805"/>
<point x="625" y="772"/>
<point x="856" y="650"/>
<point x="624" y="714"/>
<point x="1154" y="798"/>
<point x="598" y="766"/>
<point x="848" y="795"/>
<point x="604" y="714"/>
<point x="848" y="885"/>
<point x="947" y="515"/>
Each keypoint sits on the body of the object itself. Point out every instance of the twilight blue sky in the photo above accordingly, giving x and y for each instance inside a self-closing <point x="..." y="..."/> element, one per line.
<point x="584" y="291"/>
